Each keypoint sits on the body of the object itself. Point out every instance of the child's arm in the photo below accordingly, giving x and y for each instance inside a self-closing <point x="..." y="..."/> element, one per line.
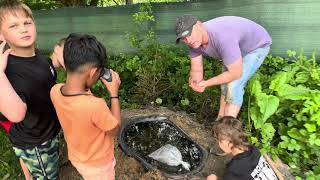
<point x="113" y="88"/>
<point x="274" y="167"/>
<point x="11" y="105"/>
<point x="115" y="109"/>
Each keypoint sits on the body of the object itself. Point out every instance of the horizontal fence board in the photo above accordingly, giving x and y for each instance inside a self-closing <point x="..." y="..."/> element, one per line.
<point x="293" y="24"/>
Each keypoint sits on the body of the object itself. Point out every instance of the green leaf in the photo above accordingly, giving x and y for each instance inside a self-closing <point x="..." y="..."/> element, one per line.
<point x="254" y="140"/>
<point x="267" y="133"/>
<point x="303" y="132"/>
<point x="256" y="87"/>
<point x="256" y="117"/>
<point x="185" y="102"/>
<point x="6" y="177"/>
<point x="302" y="77"/>
<point x="268" y="105"/>
<point x="317" y="142"/>
<point x="310" y="127"/>
<point x="294" y="93"/>
<point x="284" y="138"/>
<point x="312" y="139"/>
<point x="159" y="101"/>
<point x="279" y="81"/>
<point x="294" y="133"/>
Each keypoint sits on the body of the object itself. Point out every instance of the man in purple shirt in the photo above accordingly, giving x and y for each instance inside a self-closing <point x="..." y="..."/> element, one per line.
<point x="240" y="43"/>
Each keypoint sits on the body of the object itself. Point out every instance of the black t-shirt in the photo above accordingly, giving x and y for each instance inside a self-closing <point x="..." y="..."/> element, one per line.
<point x="2" y="117"/>
<point x="249" y="165"/>
<point x="32" y="79"/>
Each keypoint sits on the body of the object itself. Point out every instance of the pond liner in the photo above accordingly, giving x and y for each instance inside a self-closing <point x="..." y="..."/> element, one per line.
<point x="143" y="160"/>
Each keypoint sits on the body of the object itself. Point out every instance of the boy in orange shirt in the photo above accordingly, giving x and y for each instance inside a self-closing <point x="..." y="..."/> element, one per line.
<point x="88" y="124"/>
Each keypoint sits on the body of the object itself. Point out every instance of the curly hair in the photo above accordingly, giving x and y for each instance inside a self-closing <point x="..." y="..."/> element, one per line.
<point x="230" y="128"/>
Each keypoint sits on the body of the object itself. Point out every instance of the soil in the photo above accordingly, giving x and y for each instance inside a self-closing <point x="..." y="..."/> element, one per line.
<point x="128" y="168"/>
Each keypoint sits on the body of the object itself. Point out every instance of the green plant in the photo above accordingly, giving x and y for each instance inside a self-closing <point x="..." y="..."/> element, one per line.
<point x="158" y="71"/>
<point x="9" y="165"/>
<point x="43" y="4"/>
<point x="286" y="115"/>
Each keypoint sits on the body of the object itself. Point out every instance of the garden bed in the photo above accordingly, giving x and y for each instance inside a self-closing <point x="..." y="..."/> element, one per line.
<point x="128" y="168"/>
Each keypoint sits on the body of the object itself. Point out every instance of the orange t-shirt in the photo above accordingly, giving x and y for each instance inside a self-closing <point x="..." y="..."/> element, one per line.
<point x="87" y="123"/>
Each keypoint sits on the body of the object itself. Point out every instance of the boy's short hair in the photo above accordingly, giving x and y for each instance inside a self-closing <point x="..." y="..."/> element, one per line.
<point x="230" y="128"/>
<point x="13" y="7"/>
<point x="83" y="49"/>
<point x="61" y="41"/>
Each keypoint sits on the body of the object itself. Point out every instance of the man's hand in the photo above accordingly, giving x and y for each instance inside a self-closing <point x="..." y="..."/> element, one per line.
<point x="3" y="56"/>
<point x="198" y="87"/>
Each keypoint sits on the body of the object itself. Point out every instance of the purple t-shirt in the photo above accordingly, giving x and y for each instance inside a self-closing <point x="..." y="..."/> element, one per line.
<point x="232" y="37"/>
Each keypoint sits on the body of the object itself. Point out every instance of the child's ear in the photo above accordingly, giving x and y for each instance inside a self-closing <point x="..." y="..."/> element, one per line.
<point x="93" y="72"/>
<point x="230" y="145"/>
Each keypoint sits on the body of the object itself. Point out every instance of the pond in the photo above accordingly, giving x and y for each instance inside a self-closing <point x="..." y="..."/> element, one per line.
<point x="144" y="135"/>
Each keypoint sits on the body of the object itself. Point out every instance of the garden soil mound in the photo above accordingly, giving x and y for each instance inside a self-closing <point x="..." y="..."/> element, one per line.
<point x="128" y="168"/>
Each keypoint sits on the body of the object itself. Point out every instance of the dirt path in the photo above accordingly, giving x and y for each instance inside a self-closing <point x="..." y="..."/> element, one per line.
<point x="128" y="168"/>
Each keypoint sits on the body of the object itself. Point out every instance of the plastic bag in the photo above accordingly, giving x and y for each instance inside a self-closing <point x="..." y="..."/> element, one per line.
<point x="169" y="155"/>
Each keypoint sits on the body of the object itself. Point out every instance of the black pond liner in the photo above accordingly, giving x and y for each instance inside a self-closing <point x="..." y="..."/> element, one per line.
<point x="142" y="136"/>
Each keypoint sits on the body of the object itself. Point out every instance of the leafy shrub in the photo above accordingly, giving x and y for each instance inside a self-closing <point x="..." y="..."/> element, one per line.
<point x="286" y="115"/>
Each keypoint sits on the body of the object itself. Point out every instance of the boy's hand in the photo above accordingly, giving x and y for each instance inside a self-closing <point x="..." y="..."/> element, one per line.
<point x="3" y="56"/>
<point x="113" y="86"/>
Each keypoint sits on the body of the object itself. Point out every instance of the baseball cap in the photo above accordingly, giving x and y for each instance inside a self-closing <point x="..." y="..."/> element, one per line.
<point x="184" y="26"/>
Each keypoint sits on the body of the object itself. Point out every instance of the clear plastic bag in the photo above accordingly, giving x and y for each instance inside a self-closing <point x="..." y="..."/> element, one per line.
<point x="169" y="155"/>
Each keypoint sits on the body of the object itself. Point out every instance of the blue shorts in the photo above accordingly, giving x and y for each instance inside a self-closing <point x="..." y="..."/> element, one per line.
<point x="234" y="90"/>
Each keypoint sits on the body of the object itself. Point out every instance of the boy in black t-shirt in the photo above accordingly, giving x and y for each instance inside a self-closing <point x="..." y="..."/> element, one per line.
<point x="26" y="78"/>
<point x="247" y="162"/>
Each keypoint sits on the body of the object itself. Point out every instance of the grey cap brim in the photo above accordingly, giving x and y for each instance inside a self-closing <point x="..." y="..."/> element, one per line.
<point x="182" y="35"/>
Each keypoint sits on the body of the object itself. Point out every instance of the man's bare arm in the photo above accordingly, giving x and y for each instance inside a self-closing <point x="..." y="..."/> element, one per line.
<point x="233" y="72"/>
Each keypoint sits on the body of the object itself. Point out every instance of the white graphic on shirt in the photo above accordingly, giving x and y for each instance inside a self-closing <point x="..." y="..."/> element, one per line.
<point x="263" y="171"/>
<point x="52" y="71"/>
